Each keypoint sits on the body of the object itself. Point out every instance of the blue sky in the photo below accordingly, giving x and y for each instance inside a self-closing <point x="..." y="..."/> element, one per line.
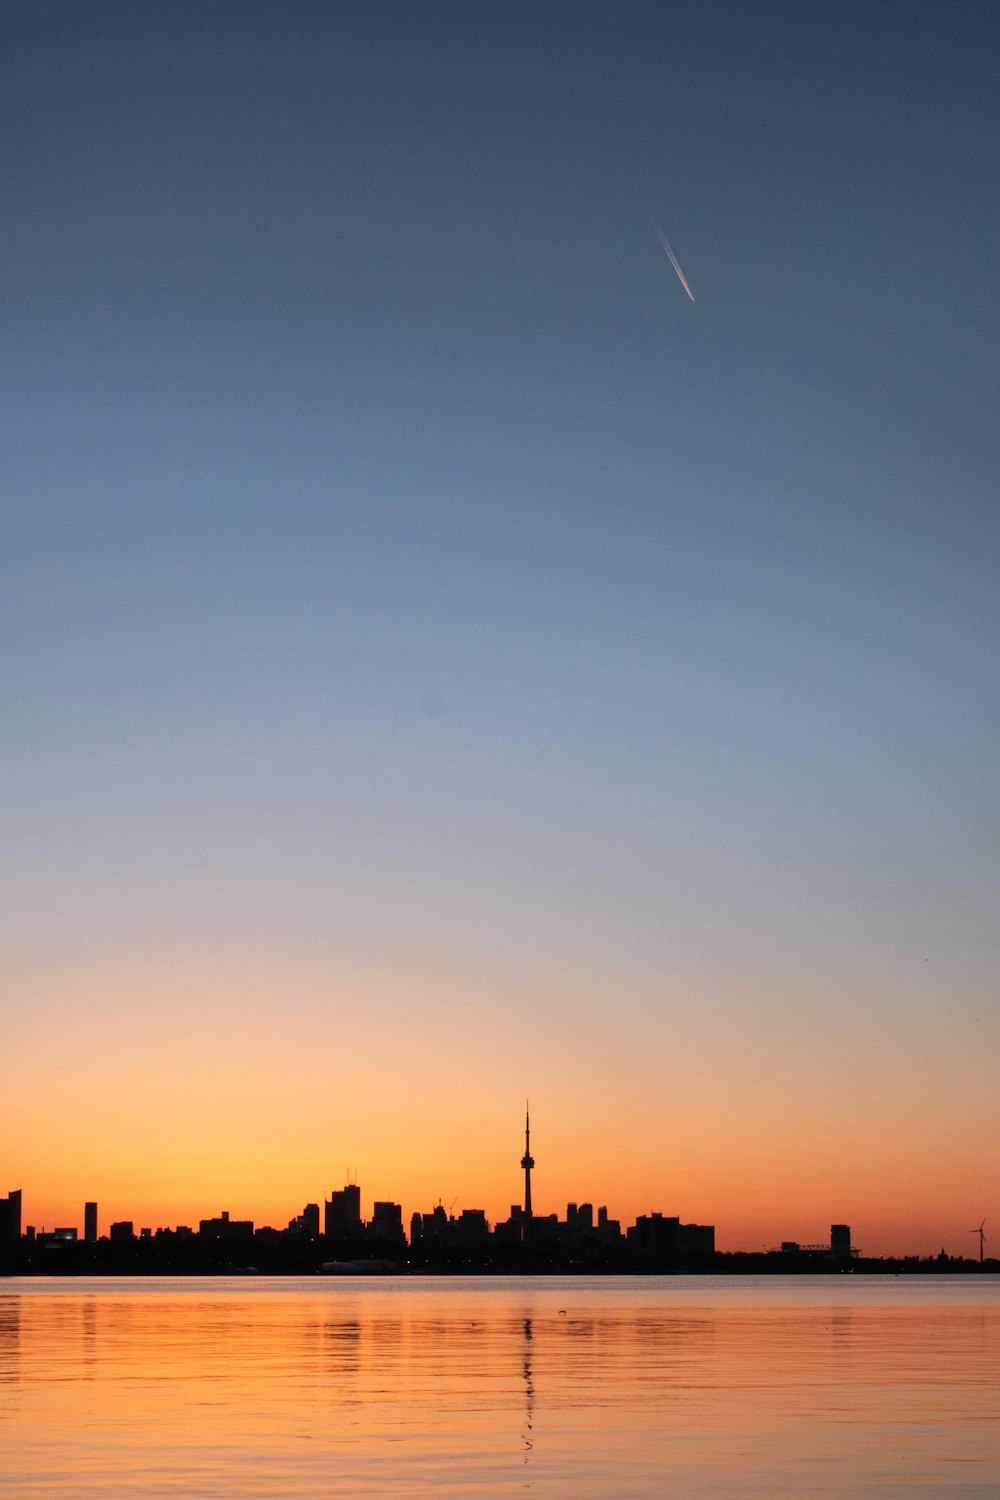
<point x="404" y="583"/>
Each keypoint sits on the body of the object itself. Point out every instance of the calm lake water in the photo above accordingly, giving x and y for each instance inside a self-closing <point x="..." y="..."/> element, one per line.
<point x="313" y="1387"/>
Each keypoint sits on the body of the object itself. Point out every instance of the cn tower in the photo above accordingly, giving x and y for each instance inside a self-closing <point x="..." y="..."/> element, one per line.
<point x="527" y="1162"/>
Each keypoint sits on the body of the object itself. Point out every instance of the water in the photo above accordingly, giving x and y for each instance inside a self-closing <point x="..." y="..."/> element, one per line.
<point x="309" y="1387"/>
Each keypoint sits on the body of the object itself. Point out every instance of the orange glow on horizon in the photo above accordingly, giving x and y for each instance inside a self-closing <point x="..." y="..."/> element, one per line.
<point x="266" y="1096"/>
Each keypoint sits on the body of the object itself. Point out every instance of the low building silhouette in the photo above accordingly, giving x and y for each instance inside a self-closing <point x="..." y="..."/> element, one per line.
<point x="225" y="1228"/>
<point x="659" y="1237"/>
<point x="307" y="1222"/>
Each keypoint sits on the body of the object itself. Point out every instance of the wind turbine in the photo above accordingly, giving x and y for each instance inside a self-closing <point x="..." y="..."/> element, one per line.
<point x="982" y="1238"/>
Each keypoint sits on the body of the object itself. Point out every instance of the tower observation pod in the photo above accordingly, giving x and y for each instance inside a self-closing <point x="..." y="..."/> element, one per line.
<point x="527" y="1162"/>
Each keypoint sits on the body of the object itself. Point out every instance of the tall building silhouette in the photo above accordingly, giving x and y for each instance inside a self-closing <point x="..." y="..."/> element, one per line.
<point x="90" y="1223"/>
<point x="840" y="1240"/>
<point x="10" y="1220"/>
<point x="527" y="1162"/>
<point x="342" y="1211"/>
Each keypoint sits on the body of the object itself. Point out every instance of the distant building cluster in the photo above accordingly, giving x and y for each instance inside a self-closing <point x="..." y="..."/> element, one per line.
<point x="582" y="1236"/>
<point x="839" y="1248"/>
<point x="437" y="1236"/>
<point x="338" y="1237"/>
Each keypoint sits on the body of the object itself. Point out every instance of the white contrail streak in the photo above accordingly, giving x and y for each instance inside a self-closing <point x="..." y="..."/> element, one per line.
<point x="673" y="261"/>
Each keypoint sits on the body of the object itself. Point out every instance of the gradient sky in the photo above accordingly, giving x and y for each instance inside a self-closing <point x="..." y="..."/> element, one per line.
<point x="443" y="664"/>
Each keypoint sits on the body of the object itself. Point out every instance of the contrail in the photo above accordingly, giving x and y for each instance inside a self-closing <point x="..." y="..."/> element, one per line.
<point x="673" y="261"/>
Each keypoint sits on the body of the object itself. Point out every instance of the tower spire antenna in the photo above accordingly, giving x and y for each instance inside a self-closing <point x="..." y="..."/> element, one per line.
<point x="527" y="1162"/>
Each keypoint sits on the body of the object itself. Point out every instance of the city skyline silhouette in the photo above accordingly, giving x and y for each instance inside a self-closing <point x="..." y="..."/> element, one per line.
<point x="384" y="1241"/>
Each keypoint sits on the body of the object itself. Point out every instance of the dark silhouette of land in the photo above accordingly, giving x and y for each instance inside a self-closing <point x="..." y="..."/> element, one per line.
<point x="281" y="1252"/>
<point x="439" y="1242"/>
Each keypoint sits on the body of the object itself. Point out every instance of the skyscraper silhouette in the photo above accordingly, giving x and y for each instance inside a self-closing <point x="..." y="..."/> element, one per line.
<point x="527" y="1162"/>
<point x="342" y="1211"/>
<point x="10" y="1220"/>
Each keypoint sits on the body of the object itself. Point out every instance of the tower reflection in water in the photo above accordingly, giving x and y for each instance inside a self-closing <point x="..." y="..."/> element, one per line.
<point x="529" y="1391"/>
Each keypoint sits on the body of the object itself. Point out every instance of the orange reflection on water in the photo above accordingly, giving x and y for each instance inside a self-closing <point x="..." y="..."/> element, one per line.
<point x="635" y="1387"/>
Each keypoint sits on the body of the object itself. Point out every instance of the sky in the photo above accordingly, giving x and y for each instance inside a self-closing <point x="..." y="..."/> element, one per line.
<point x="443" y="665"/>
